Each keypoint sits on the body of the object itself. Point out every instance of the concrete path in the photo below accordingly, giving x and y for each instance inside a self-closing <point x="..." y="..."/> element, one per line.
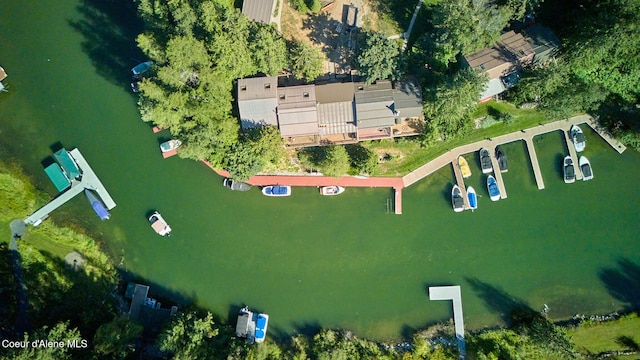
<point x="497" y="174"/>
<point x="413" y="20"/>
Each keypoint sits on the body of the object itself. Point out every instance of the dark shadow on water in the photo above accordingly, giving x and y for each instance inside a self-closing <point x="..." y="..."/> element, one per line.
<point x="512" y="310"/>
<point x="559" y="166"/>
<point x="308" y="328"/>
<point x="623" y="283"/>
<point x="109" y="28"/>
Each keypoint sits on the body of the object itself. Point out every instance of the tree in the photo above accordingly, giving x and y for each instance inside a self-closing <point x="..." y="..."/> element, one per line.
<point x="378" y="58"/>
<point x="243" y="161"/>
<point x="449" y="105"/>
<point x="114" y="339"/>
<point x="362" y="159"/>
<point x="188" y="336"/>
<point x="59" y="332"/>
<point x="336" y="162"/>
<point x="306" y="60"/>
<point x="268" y="49"/>
<point x="466" y="26"/>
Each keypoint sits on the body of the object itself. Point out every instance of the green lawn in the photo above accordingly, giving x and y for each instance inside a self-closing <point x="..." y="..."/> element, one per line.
<point x="410" y="155"/>
<point x="607" y="336"/>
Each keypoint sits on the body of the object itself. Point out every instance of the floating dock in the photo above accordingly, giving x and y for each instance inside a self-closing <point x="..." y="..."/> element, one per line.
<point x="87" y="180"/>
<point x="452" y="293"/>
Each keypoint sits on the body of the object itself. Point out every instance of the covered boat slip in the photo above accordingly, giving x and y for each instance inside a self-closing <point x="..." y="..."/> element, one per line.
<point x="68" y="164"/>
<point x="89" y="180"/>
<point x="57" y="177"/>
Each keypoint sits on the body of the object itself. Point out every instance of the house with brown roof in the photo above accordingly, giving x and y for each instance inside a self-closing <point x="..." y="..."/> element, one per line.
<point x="334" y="113"/>
<point x="544" y="42"/>
<point x="502" y="63"/>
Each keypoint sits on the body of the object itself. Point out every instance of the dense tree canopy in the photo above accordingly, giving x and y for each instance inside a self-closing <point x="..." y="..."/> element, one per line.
<point x="199" y="48"/>
<point x="378" y="58"/>
<point x="306" y="60"/>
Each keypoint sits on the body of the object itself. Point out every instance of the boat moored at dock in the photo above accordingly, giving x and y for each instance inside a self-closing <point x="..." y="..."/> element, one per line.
<point x="97" y="205"/>
<point x="276" y="190"/>
<point x="585" y="168"/>
<point x="456" y="199"/>
<point x="568" y="170"/>
<point x="464" y="167"/>
<point x="236" y="185"/>
<point x="141" y="68"/>
<point x="331" y="190"/>
<point x="472" y="197"/>
<point x="577" y="136"/>
<point x="502" y="160"/>
<point x="485" y="161"/>
<point x="159" y="225"/>
<point x="492" y="187"/>
<point x="261" y="327"/>
<point x="170" y="145"/>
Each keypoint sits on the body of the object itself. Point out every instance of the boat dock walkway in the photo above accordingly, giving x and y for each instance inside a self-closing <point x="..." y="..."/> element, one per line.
<point x="497" y="173"/>
<point x="452" y="293"/>
<point x="460" y="182"/>
<point x="526" y="134"/>
<point x="572" y="153"/>
<point x="89" y="180"/>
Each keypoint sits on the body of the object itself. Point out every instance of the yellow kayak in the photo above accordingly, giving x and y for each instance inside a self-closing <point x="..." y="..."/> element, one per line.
<point x="464" y="167"/>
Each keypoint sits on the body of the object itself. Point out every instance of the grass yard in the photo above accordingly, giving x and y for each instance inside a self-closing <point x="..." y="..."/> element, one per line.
<point x="407" y="155"/>
<point x="609" y="336"/>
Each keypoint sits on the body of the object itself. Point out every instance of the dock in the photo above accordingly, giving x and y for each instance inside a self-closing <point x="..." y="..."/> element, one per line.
<point x="89" y="180"/>
<point x="452" y="293"/>
<point x="460" y="182"/>
<point x="572" y="152"/>
<point x="534" y="162"/>
<point x="497" y="173"/>
<point x="397" y="204"/>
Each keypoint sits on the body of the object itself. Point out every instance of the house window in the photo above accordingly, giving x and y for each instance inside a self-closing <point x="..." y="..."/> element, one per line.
<point x="243" y="88"/>
<point x="305" y="94"/>
<point x="267" y="86"/>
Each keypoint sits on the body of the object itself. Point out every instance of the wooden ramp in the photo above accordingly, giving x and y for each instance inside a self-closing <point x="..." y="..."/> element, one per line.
<point x="534" y="163"/>
<point x="572" y="152"/>
<point x="497" y="173"/>
<point x="460" y="182"/>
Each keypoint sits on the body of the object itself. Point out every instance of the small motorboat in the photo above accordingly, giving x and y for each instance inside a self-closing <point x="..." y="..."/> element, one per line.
<point x="473" y="198"/>
<point x="464" y="167"/>
<point x="134" y="87"/>
<point x="485" y="161"/>
<point x="577" y="136"/>
<point x="276" y="190"/>
<point x="568" y="170"/>
<point x="159" y="225"/>
<point x="456" y="199"/>
<point x="97" y="205"/>
<point x="585" y="168"/>
<point x="331" y="190"/>
<point x="492" y="187"/>
<point x="502" y="160"/>
<point x="262" y="321"/>
<point x="236" y="185"/>
<point x="170" y="145"/>
<point x="141" y="68"/>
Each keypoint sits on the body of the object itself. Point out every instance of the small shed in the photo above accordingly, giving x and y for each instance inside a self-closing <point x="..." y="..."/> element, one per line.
<point x="68" y="164"/>
<point x="57" y="177"/>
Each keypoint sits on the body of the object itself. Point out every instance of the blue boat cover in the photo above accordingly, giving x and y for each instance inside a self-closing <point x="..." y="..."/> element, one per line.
<point x="259" y="334"/>
<point x="279" y="190"/>
<point x="472" y="200"/>
<point x="67" y="163"/>
<point x="57" y="177"/>
<point x="493" y="188"/>
<point x="97" y="205"/>
<point x="261" y="322"/>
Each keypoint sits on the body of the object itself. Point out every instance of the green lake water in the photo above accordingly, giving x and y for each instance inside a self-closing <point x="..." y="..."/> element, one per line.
<point x="308" y="260"/>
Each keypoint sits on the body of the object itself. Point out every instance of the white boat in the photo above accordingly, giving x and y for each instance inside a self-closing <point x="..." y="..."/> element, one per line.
<point x="485" y="161"/>
<point x="236" y="185"/>
<point x="159" y="225"/>
<point x="585" y="168"/>
<point x="492" y="187"/>
<point x="141" y="68"/>
<point x="331" y="190"/>
<point x="502" y="160"/>
<point x="456" y="199"/>
<point x="568" y="170"/>
<point x="262" y="321"/>
<point x="577" y="136"/>
<point x="473" y="198"/>
<point x="464" y="167"/>
<point x="170" y="145"/>
<point x="276" y="190"/>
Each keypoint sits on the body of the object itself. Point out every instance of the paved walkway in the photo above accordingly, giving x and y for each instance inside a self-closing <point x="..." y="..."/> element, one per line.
<point x="413" y="20"/>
